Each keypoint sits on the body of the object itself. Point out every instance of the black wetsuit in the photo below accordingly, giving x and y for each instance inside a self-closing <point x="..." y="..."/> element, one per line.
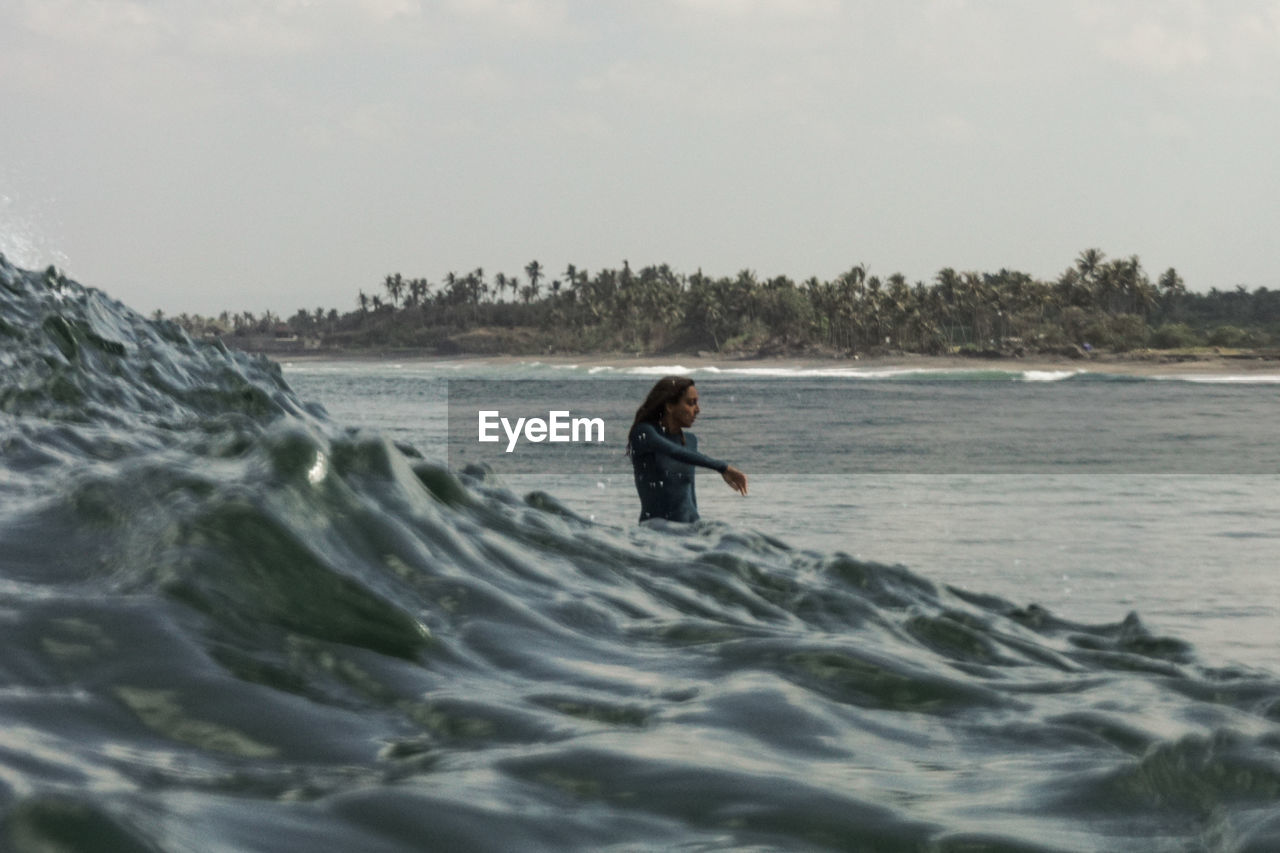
<point x="664" y="472"/>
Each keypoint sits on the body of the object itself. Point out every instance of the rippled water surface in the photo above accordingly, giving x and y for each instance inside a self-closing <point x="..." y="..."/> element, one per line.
<point x="235" y="621"/>
<point x="1175" y="513"/>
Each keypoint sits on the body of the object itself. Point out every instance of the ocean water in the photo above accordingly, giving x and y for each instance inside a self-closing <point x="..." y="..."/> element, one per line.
<point x="1091" y="494"/>
<point x="253" y="608"/>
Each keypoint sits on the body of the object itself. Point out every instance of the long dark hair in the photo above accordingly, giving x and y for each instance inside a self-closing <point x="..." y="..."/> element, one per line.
<point x="667" y="390"/>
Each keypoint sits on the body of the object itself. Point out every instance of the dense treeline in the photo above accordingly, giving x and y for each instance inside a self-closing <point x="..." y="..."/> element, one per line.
<point x="1096" y="303"/>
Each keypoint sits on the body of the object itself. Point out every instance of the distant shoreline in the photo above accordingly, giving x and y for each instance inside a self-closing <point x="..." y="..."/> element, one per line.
<point x="1144" y="363"/>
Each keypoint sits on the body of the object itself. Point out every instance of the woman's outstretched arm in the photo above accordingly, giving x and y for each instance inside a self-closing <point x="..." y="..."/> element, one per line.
<point x="647" y="437"/>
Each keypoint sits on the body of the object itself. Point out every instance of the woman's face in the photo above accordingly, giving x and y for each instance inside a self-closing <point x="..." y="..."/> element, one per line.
<point x="683" y="412"/>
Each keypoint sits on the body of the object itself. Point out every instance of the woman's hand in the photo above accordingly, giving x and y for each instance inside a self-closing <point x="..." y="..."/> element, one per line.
<point x="736" y="480"/>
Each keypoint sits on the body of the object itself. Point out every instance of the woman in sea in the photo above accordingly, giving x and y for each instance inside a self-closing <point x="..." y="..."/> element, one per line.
<point x="663" y="452"/>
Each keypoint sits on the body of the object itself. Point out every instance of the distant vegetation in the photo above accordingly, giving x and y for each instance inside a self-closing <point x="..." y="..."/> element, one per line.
<point x="1095" y="304"/>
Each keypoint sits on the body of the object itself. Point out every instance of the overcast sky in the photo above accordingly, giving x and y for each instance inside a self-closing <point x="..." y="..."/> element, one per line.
<point x="195" y="156"/>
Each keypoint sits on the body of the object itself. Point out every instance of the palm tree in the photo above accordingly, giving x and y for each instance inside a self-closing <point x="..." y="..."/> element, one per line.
<point x="417" y="291"/>
<point x="1089" y="263"/>
<point x="454" y="292"/>
<point x="900" y="304"/>
<point x="1171" y="284"/>
<point x="534" y="270"/>
<point x="972" y="303"/>
<point x="395" y="287"/>
<point x="871" y="304"/>
<point x="477" y="290"/>
<point x="706" y="311"/>
<point x="1072" y="290"/>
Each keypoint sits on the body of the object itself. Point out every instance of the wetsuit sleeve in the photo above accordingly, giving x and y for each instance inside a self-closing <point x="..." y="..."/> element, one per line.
<point x="647" y="437"/>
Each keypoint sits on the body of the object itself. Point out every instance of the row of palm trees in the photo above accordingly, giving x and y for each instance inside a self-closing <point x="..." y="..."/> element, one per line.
<point x="246" y="323"/>
<point x="468" y="288"/>
<point x="653" y="307"/>
<point x="1096" y="301"/>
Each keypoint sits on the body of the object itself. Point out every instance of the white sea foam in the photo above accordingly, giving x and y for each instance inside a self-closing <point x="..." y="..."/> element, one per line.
<point x="25" y="235"/>
<point x="1242" y="378"/>
<point x="663" y="369"/>
<point x="831" y="372"/>
<point x="1049" y="375"/>
<point x="855" y="373"/>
